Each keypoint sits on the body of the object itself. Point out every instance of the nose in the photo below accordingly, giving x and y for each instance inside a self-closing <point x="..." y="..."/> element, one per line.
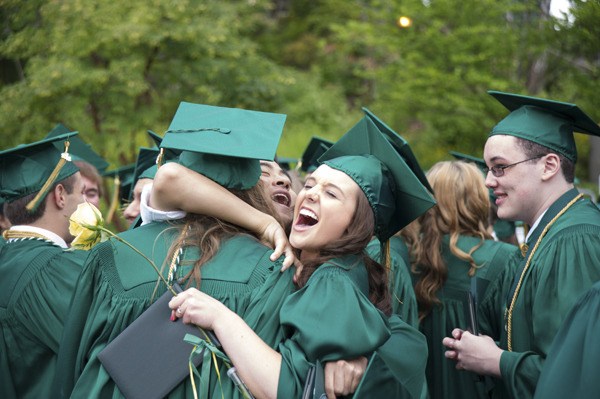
<point x="283" y="182"/>
<point x="311" y="195"/>
<point x="490" y="180"/>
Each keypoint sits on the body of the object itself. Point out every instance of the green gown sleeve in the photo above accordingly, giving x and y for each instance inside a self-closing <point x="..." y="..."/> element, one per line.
<point x="328" y="319"/>
<point x="571" y="368"/>
<point x="33" y="320"/>
<point x="397" y="368"/>
<point x="567" y="267"/>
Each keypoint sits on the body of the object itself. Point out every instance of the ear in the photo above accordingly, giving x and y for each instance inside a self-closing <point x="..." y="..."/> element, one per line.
<point x="551" y="166"/>
<point x="59" y="195"/>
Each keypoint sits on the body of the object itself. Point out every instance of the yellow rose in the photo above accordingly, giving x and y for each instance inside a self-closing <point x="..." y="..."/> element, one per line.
<point x="86" y="225"/>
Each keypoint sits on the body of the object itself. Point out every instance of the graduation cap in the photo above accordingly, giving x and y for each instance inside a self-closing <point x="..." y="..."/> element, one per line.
<point x="224" y="144"/>
<point x="286" y="162"/>
<point x="479" y="162"/>
<point x="123" y="178"/>
<point x="401" y="146"/>
<point x="315" y="148"/>
<point x="79" y="149"/>
<point x="545" y="122"/>
<point x="395" y="194"/>
<point x="35" y="167"/>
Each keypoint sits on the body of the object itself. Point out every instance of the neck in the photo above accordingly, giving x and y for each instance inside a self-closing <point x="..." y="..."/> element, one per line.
<point x="548" y="197"/>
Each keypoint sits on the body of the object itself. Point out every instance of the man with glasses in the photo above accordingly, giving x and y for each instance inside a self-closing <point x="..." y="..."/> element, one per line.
<point x="531" y="157"/>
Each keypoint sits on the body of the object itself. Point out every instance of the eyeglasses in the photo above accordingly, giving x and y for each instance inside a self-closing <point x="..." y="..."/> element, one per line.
<point x="498" y="171"/>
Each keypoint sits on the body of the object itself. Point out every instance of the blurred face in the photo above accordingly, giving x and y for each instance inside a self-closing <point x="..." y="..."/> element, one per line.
<point x="278" y="186"/>
<point x="517" y="191"/>
<point x="72" y="200"/>
<point x="91" y="192"/>
<point x="324" y="210"/>
<point x="133" y="209"/>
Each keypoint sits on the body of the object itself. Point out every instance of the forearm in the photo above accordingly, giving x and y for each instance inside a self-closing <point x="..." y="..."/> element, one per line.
<point x="256" y="363"/>
<point x="177" y="187"/>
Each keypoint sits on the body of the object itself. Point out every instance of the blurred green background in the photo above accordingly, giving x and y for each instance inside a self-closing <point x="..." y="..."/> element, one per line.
<point x="113" y="69"/>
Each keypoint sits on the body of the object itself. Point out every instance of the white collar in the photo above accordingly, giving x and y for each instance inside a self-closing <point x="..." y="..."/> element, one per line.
<point x="55" y="238"/>
<point x="538" y="220"/>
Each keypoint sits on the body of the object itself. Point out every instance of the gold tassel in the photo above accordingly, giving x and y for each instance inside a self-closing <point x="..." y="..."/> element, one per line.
<point x="64" y="158"/>
<point x="114" y="201"/>
<point x="160" y="158"/>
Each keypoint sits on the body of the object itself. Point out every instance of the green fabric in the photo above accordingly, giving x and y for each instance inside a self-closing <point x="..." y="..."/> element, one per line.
<point x="25" y="169"/>
<point x="404" y="302"/>
<point x="395" y="194"/>
<point x="36" y="282"/>
<point x="315" y="148"/>
<point x="401" y="146"/>
<point x="397" y="368"/>
<point x="236" y="173"/>
<point x="565" y="265"/>
<point x="571" y="368"/>
<point x="546" y="122"/>
<point x="443" y="379"/>
<point x="117" y="285"/>
<point x="78" y="149"/>
<point x="330" y="318"/>
<point x="231" y="132"/>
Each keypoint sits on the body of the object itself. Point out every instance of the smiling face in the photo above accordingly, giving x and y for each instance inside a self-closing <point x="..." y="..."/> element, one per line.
<point x="278" y="186"/>
<point x="518" y="192"/>
<point x="324" y="210"/>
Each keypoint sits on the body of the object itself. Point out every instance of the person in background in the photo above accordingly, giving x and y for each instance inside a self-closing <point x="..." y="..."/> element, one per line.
<point x="92" y="180"/>
<point x="42" y="188"/>
<point x="531" y="156"/>
<point x="450" y="245"/>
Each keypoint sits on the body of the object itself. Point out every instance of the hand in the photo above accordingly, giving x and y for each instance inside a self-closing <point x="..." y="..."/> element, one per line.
<point x="342" y="377"/>
<point x="479" y="354"/>
<point x="273" y="235"/>
<point x="193" y="306"/>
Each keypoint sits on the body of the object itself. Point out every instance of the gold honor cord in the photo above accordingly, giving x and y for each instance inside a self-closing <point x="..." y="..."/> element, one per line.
<point x="537" y="244"/>
<point x="12" y="234"/>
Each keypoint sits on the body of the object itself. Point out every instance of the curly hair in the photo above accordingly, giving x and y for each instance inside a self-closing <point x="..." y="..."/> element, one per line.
<point x="462" y="209"/>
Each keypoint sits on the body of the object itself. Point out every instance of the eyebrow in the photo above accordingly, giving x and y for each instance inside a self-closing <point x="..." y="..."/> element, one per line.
<point x="328" y="185"/>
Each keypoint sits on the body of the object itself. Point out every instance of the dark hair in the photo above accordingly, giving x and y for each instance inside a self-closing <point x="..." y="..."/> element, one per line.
<point x="531" y="149"/>
<point x="16" y="212"/>
<point x="206" y="232"/>
<point x="353" y="242"/>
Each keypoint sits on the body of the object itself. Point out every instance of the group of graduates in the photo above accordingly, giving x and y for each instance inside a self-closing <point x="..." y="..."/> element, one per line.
<point x="354" y="273"/>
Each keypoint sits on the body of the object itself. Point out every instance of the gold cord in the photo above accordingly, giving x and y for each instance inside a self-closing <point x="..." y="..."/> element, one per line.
<point x="537" y="244"/>
<point x="8" y="234"/>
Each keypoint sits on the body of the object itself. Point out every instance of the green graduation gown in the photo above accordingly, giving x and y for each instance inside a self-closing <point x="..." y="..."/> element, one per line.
<point x="328" y="319"/>
<point x="36" y="282"/>
<point x="565" y="265"/>
<point x="443" y="380"/>
<point x="404" y="302"/>
<point x="117" y="285"/>
<point x="571" y="368"/>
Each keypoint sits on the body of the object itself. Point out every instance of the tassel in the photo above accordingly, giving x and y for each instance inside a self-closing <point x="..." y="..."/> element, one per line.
<point x="64" y="158"/>
<point x="160" y="158"/>
<point x="114" y="201"/>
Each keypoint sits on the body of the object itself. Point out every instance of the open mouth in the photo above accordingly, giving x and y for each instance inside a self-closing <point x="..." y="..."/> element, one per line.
<point x="282" y="197"/>
<point x="306" y="217"/>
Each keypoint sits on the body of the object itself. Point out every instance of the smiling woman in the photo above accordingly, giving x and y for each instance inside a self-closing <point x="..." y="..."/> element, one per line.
<point x="364" y="188"/>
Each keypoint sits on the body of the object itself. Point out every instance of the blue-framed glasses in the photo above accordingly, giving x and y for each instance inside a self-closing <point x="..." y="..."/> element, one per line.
<point x="498" y="170"/>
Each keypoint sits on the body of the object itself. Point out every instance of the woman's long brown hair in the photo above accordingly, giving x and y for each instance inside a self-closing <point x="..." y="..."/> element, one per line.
<point x="353" y="242"/>
<point x="206" y="233"/>
<point x="463" y="208"/>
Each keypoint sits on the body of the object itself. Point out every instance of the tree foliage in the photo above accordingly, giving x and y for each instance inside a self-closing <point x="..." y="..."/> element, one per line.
<point x="114" y="69"/>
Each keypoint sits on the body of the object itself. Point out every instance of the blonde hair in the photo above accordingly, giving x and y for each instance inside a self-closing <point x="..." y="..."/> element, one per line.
<point x="462" y="209"/>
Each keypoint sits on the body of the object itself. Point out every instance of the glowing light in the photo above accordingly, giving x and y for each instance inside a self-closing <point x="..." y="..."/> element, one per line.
<point x="404" y="22"/>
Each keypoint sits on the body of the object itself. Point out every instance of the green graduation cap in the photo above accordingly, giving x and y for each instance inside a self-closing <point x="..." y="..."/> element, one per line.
<point x="35" y="167"/>
<point x="396" y="195"/>
<point x="79" y="149"/>
<point x="286" y="162"/>
<point x="479" y="162"/>
<point x="315" y="148"/>
<point x="164" y="155"/>
<point x="145" y="165"/>
<point x="224" y="144"/>
<point x="546" y="122"/>
<point x="401" y="146"/>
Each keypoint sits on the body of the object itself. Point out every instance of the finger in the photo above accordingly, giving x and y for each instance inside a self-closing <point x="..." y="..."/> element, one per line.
<point x="289" y="258"/>
<point x="329" y="381"/>
<point x="448" y="342"/>
<point x="451" y="355"/>
<point x="457" y="333"/>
